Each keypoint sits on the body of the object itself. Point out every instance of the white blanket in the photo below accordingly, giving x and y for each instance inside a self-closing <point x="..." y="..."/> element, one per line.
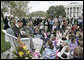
<point x="37" y="43"/>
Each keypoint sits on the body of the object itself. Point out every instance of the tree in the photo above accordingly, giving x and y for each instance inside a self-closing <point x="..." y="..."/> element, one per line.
<point x="21" y="9"/>
<point x="17" y="8"/>
<point x="5" y="5"/>
<point x="3" y="9"/>
<point x="37" y="13"/>
<point x="50" y="10"/>
<point x="58" y="10"/>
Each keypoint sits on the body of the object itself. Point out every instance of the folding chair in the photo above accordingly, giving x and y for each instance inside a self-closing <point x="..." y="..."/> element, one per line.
<point x="14" y="41"/>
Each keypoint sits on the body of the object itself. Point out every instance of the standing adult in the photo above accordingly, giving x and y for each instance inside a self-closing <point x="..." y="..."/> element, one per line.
<point x="5" y="21"/>
<point x="51" y="22"/>
<point x="59" y="21"/>
<point x="46" y="23"/>
<point x="24" y="22"/>
<point x="80" y="21"/>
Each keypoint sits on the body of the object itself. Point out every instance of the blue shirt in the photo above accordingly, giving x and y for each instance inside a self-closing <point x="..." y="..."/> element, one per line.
<point x="77" y="39"/>
<point x="51" y="22"/>
<point x="80" y="21"/>
<point x="49" y="54"/>
<point x="72" y="45"/>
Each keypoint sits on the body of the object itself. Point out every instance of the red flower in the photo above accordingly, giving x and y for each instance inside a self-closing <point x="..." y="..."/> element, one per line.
<point x="21" y="46"/>
<point x="11" y="17"/>
<point x="14" y="21"/>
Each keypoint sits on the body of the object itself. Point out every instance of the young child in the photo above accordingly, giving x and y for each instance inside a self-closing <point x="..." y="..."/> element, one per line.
<point x="68" y="38"/>
<point x="47" y="44"/>
<point x="49" y="53"/>
<point x="54" y="27"/>
<point x="72" y="45"/>
<point x="54" y="40"/>
<point x="58" y="34"/>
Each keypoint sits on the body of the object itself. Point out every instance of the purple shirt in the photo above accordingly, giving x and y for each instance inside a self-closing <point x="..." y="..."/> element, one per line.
<point x="72" y="46"/>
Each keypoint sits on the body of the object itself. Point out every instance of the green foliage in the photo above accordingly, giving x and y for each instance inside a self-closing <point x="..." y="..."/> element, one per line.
<point x="21" y="8"/>
<point x="37" y="13"/>
<point x="17" y="8"/>
<point x="59" y="10"/>
<point x="49" y="10"/>
<point x="4" y="9"/>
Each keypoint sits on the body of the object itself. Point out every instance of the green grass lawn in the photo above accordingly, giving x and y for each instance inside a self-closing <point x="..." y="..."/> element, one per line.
<point x="4" y="45"/>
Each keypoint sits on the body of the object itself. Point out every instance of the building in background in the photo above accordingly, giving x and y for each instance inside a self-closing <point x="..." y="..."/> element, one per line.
<point x="74" y="10"/>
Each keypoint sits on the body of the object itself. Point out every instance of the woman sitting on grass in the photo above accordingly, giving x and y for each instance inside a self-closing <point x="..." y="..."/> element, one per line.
<point x="50" y="52"/>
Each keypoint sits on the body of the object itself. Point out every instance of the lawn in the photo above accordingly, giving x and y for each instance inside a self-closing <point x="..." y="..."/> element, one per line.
<point x="4" y="45"/>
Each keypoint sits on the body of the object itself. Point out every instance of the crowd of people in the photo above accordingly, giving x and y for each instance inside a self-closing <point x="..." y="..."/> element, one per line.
<point x="62" y="37"/>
